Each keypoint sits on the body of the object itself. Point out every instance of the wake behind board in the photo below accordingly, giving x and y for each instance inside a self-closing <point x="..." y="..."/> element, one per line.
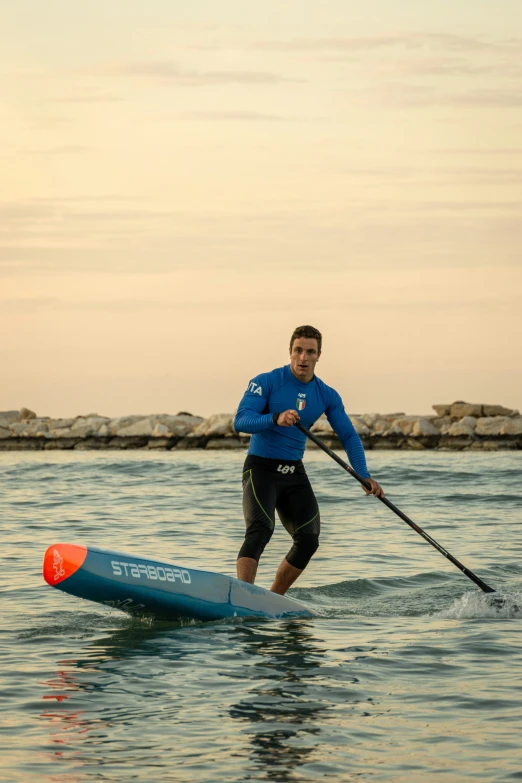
<point x="166" y="591"/>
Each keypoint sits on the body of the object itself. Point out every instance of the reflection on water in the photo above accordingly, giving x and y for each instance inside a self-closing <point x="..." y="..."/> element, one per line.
<point x="283" y="708"/>
<point x="274" y="695"/>
<point x="403" y="676"/>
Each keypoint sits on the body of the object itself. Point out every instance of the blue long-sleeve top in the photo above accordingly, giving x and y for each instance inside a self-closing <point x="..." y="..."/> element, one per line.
<point x="278" y="391"/>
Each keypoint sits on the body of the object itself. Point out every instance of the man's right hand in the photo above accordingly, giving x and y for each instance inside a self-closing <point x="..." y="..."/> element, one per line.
<point x="288" y="418"/>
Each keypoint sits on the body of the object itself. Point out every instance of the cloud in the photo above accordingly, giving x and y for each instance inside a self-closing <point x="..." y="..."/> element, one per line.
<point x="476" y="151"/>
<point x="370" y="235"/>
<point x="480" y="174"/>
<point x="424" y="95"/>
<point x="64" y="149"/>
<point x="169" y="72"/>
<point x="410" y="40"/>
<point x="498" y="98"/>
<point x="24" y="211"/>
<point x="452" y="66"/>
<point x="353" y="44"/>
<point x="46" y="122"/>
<point x="236" y="116"/>
<point x="505" y="207"/>
<point x="125" y="215"/>
<point x="135" y="305"/>
<point x="85" y="99"/>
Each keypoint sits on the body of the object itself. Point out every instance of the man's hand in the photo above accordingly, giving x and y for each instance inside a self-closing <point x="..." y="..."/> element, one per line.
<point x="375" y="488"/>
<point x="288" y="418"/>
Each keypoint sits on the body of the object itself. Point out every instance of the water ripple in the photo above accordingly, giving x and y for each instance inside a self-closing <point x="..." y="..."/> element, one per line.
<point x="409" y="671"/>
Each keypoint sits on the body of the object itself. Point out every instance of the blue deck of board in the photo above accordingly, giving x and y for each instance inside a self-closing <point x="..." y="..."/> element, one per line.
<point x="202" y="595"/>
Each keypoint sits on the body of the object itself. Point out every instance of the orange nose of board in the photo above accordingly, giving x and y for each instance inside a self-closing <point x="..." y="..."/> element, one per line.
<point x="62" y="560"/>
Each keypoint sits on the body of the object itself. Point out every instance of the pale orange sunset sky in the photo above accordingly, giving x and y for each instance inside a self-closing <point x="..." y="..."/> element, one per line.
<point x="184" y="183"/>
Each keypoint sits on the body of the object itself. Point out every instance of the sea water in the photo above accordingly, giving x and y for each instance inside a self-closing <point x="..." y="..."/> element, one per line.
<point x="409" y="673"/>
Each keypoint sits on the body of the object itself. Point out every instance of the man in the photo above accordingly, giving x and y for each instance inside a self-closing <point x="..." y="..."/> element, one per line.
<point x="274" y="477"/>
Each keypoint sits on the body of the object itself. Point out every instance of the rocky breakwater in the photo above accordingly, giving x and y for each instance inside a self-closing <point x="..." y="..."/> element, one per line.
<point x="455" y="426"/>
<point x="25" y="430"/>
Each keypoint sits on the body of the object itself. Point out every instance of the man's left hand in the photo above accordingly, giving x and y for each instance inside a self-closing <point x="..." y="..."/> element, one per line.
<point x="376" y="489"/>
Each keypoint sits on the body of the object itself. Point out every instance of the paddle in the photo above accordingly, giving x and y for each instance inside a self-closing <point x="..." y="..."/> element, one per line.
<point x="474" y="578"/>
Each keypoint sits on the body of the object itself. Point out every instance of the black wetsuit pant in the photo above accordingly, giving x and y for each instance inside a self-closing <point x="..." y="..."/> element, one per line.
<point x="271" y="485"/>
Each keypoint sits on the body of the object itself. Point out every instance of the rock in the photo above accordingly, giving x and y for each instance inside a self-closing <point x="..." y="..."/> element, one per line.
<point x="90" y="444"/>
<point x="81" y="431"/>
<point x="128" y="443"/>
<point x="78" y="428"/>
<point x="460" y="409"/>
<point x="159" y="431"/>
<point x="496" y="445"/>
<point x="461" y="425"/>
<point x="465" y="426"/>
<point x="498" y="410"/>
<point x="362" y="424"/>
<point x="17" y="427"/>
<point x="513" y="426"/>
<point x="142" y="427"/>
<point x="380" y="426"/>
<point x="404" y="425"/>
<point x="21" y="444"/>
<point x="441" y="410"/>
<point x="8" y="417"/>
<point x="442" y="421"/>
<point x="160" y="444"/>
<point x="32" y="428"/>
<point x="384" y="444"/>
<point x="490" y="425"/>
<point x="97" y="421"/>
<point x="60" y="424"/>
<point x="82" y="428"/>
<point x="123" y="421"/>
<point x="89" y="425"/>
<point x="414" y="443"/>
<point x="224" y="443"/>
<point x="194" y="442"/>
<point x="180" y="425"/>
<point x="217" y="424"/>
<point x="60" y="443"/>
<point x="332" y="443"/>
<point x="447" y="442"/>
<point x="322" y="425"/>
<point x="360" y="427"/>
<point x="424" y="428"/>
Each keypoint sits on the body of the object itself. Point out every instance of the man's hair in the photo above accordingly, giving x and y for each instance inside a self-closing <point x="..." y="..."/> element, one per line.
<point x="307" y="331"/>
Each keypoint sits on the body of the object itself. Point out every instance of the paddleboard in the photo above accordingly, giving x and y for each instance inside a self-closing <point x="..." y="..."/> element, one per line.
<point x="141" y="586"/>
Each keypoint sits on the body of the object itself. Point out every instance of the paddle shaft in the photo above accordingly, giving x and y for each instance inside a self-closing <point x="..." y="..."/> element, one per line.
<point x="426" y="536"/>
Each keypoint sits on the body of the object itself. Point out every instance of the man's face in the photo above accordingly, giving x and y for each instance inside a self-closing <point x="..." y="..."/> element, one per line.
<point x="303" y="358"/>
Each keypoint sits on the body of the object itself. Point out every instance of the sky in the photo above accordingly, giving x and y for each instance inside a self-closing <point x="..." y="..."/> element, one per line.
<point x="182" y="184"/>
